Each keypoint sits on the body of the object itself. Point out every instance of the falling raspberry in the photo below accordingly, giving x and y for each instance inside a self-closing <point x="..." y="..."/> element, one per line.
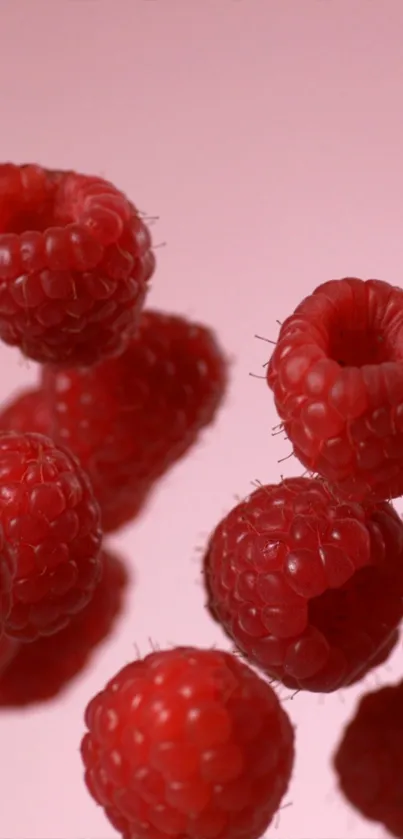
<point x="369" y="759"/>
<point x="337" y="378"/>
<point x="27" y="412"/>
<point x="75" y="261"/>
<point x="51" y="522"/>
<point x="39" y="671"/>
<point x="189" y="744"/>
<point x="131" y="418"/>
<point x="310" y="590"/>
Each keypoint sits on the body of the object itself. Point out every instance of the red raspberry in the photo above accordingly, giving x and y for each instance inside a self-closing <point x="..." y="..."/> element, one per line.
<point x="52" y="522"/>
<point x="8" y="650"/>
<point x="369" y="759"/>
<point x="189" y="744"/>
<point x="28" y="411"/>
<point x="75" y="260"/>
<point x="131" y="418"/>
<point x="8" y="565"/>
<point x="310" y="590"/>
<point x="380" y="658"/>
<point x="337" y="378"/>
<point x="39" y="671"/>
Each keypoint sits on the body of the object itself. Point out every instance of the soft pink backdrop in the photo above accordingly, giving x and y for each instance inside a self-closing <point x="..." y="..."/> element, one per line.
<point x="268" y="137"/>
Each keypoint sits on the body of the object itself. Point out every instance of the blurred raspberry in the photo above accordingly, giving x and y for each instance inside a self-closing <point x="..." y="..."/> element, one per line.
<point x="27" y="411"/>
<point x="39" y="671"/>
<point x="131" y="418"/>
<point x="369" y="759"/>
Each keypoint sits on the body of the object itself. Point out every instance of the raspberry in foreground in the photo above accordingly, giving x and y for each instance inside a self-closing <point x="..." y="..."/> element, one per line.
<point x="190" y="744"/>
<point x="369" y="759"/>
<point x="39" y="671"/>
<point x="75" y="261"/>
<point x="131" y="418"/>
<point x="51" y="521"/>
<point x="337" y="378"/>
<point x="310" y="590"/>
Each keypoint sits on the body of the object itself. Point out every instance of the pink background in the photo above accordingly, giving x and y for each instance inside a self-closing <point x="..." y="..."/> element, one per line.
<point x="268" y="137"/>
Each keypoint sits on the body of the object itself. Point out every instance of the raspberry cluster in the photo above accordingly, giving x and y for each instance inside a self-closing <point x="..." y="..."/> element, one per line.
<point x="305" y="576"/>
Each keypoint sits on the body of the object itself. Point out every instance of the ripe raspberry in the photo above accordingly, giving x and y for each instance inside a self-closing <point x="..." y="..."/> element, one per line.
<point x="189" y="744"/>
<point x="8" y="650"/>
<point x="337" y="378"/>
<point x="39" y="671"/>
<point x="51" y="521"/>
<point x="310" y="590"/>
<point x="75" y="260"/>
<point x="369" y="759"/>
<point x="8" y="565"/>
<point x="131" y="418"/>
<point x="28" y="411"/>
<point x="380" y="658"/>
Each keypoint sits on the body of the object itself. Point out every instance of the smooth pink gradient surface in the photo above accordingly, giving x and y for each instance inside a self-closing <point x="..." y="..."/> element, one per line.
<point x="268" y="138"/>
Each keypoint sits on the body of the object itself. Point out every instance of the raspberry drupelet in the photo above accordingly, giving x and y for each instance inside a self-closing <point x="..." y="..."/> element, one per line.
<point x="337" y="378"/>
<point x="75" y="261"/>
<point x="369" y="759"/>
<point x="131" y="418"/>
<point x="309" y="589"/>
<point x="40" y="671"/>
<point x="190" y="744"/>
<point x="51" y="521"/>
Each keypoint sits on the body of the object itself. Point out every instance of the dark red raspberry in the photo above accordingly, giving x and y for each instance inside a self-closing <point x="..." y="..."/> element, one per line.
<point x="8" y="650"/>
<point x="51" y="521"/>
<point x="75" y="261"/>
<point x="310" y="590"/>
<point x="189" y="744"/>
<point x="131" y="418"/>
<point x="337" y="378"/>
<point x="369" y="759"/>
<point x="28" y="411"/>
<point x="8" y="566"/>
<point x="380" y="658"/>
<point x="39" y="671"/>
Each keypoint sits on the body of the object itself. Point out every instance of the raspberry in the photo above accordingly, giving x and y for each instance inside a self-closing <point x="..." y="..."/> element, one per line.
<point x="8" y="565"/>
<point x="8" y="650"/>
<point x="337" y="378"/>
<point x="39" y="671"/>
<point x="369" y="759"/>
<point x="190" y="744"/>
<point x="52" y="522"/>
<point x="75" y="260"/>
<point x="380" y="658"/>
<point x="310" y="590"/>
<point x="28" y="411"/>
<point x="131" y="418"/>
